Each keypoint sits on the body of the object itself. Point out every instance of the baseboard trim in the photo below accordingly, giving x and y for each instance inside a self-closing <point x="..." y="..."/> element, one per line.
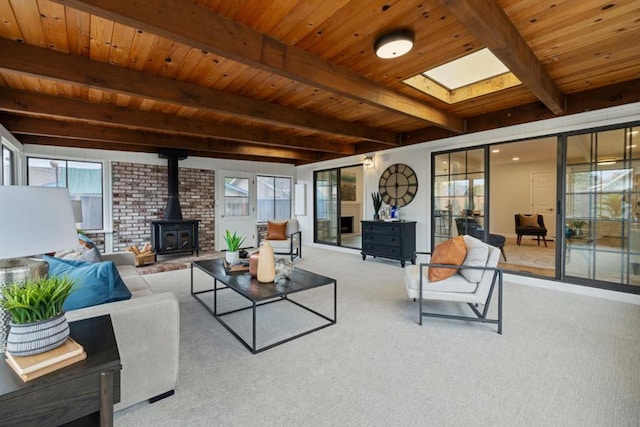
<point x="161" y="396"/>
<point x="573" y="289"/>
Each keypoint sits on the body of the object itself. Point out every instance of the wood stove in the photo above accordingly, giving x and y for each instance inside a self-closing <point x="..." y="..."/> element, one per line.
<point x="173" y="234"/>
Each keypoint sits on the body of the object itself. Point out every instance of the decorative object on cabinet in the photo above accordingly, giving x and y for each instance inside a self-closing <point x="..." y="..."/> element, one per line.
<point x="393" y="240"/>
<point x="377" y="204"/>
<point x="398" y="185"/>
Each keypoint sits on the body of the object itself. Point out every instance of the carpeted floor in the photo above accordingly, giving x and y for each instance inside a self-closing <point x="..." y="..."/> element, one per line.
<point x="564" y="360"/>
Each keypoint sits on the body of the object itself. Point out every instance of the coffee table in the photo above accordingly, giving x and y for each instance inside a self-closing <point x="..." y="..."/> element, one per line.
<point x="260" y="294"/>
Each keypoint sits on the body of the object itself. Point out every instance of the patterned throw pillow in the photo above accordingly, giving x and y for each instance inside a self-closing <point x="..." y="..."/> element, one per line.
<point x="450" y="252"/>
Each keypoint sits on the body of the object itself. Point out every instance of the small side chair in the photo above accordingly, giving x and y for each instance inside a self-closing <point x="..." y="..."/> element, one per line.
<point x="473" y="283"/>
<point x="530" y="225"/>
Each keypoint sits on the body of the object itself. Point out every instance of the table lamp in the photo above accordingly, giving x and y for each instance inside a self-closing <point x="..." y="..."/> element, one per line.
<point x="33" y="221"/>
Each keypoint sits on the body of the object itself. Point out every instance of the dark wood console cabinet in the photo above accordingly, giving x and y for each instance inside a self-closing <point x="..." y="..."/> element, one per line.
<point x="394" y="240"/>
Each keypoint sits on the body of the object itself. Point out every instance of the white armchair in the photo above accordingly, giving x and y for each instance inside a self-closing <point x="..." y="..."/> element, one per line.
<point x="473" y="283"/>
<point x="289" y="242"/>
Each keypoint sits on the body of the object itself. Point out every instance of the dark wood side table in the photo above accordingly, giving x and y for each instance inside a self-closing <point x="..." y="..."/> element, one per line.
<point x="80" y="394"/>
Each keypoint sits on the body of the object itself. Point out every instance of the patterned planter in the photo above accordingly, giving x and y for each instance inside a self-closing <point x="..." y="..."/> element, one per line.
<point x="34" y="338"/>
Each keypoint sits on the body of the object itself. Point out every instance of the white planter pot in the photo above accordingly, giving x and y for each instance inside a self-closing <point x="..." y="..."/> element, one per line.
<point x="34" y="338"/>
<point x="232" y="257"/>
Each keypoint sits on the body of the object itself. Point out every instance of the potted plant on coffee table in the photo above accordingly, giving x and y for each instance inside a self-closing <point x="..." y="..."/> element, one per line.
<point x="233" y="242"/>
<point x="38" y="322"/>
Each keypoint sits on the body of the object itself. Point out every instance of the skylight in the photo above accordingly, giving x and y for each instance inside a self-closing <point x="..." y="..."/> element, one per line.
<point x="478" y="66"/>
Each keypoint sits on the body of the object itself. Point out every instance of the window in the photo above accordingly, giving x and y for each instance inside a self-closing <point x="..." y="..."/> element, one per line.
<point x="274" y="198"/>
<point x="236" y="196"/>
<point x="458" y="191"/>
<point x="7" y="167"/>
<point x="83" y="179"/>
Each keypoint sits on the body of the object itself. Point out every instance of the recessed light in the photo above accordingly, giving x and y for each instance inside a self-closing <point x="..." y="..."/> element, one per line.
<point x="495" y="151"/>
<point x="632" y="146"/>
<point x="516" y="158"/>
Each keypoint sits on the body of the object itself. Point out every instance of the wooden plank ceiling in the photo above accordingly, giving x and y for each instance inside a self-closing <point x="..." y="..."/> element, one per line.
<point x="296" y="81"/>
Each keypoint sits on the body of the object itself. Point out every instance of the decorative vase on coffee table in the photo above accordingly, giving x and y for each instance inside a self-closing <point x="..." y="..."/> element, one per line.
<point x="266" y="263"/>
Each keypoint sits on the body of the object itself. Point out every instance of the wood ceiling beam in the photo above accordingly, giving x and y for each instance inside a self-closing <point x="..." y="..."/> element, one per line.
<point x="97" y="145"/>
<point x="76" y="70"/>
<point x="490" y="25"/>
<point x="35" y="104"/>
<point x="580" y="102"/>
<point x="107" y="136"/>
<point x="187" y="23"/>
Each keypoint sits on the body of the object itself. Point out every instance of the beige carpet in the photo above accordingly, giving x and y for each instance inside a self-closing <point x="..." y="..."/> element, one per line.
<point x="564" y="360"/>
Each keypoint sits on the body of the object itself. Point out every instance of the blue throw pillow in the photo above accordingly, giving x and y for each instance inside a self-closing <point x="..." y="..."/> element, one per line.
<point x="95" y="283"/>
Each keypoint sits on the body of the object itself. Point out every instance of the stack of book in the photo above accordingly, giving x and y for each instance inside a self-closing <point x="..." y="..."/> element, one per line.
<point x="30" y="367"/>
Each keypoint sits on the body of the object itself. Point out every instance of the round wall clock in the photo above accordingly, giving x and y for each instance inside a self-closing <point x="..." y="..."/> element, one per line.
<point x="398" y="185"/>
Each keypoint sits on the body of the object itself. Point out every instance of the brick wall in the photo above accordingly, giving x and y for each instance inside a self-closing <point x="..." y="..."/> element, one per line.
<point x="140" y="196"/>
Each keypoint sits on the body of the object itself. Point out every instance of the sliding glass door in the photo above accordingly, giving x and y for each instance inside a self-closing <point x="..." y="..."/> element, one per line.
<point x="586" y="186"/>
<point x="326" y="206"/>
<point x="602" y="230"/>
<point x="339" y="206"/>
<point x="458" y="193"/>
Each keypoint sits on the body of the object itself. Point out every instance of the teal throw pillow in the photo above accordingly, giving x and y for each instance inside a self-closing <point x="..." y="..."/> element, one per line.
<point x="95" y="283"/>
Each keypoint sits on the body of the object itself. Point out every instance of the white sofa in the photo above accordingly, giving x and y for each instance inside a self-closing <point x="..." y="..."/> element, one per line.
<point x="147" y="330"/>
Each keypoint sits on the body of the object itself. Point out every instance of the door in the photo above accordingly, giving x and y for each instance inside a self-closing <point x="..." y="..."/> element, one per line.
<point x="543" y="198"/>
<point x="327" y="215"/>
<point x="235" y="202"/>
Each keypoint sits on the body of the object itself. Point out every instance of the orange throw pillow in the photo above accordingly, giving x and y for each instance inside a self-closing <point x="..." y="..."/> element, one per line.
<point x="450" y="252"/>
<point x="529" y="220"/>
<point x="277" y="230"/>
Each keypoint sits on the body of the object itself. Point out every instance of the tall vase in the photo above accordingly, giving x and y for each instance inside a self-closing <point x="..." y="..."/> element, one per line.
<point x="266" y="263"/>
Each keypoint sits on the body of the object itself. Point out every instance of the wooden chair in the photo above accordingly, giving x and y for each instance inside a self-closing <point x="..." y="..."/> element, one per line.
<point x="529" y="225"/>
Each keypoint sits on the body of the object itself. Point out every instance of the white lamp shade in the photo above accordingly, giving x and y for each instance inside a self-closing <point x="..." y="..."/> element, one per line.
<point x="35" y="221"/>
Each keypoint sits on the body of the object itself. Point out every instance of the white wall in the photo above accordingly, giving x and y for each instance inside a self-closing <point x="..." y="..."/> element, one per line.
<point x="511" y="194"/>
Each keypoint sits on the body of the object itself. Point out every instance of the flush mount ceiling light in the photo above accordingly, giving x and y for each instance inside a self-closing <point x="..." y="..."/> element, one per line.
<point x="394" y="44"/>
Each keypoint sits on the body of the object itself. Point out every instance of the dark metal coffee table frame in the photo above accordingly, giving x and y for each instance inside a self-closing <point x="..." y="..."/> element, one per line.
<point x="261" y="294"/>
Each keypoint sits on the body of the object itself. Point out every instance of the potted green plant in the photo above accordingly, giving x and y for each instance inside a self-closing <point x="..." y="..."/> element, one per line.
<point x="38" y="322"/>
<point x="578" y="224"/>
<point x="377" y="204"/>
<point x="233" y="242"/>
